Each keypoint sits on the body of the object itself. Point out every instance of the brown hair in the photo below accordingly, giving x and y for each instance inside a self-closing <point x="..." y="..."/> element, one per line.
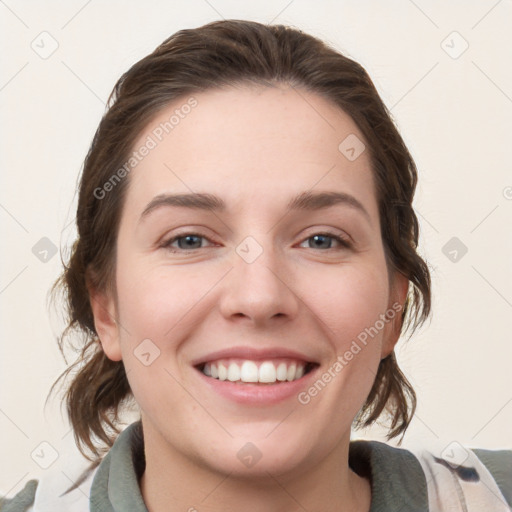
<point x="225" y="53"/>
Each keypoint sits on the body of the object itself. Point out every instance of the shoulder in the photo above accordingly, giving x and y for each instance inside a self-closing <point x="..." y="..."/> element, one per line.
<point x="436" y="477"/>
<point x="469" y="478"/>
<point x="499" y="464"/>
<point x="68" y="485"/>
<point x="23" y="501"/>
<point x="397" y="479"/>
<point x="62" y="490"/>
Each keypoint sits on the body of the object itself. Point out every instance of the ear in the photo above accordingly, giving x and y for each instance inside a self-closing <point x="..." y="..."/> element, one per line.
<point x="104" y="312"/>
<point x="397" y="298"/>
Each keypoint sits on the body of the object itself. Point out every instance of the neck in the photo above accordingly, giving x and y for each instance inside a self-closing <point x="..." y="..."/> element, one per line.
<point x="172" y="481"/>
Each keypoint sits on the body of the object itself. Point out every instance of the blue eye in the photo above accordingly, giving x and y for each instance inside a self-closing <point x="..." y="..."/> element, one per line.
<point x="193" y="241"/>
<point x="325" y="241"/>
<point x="188" y="241"/>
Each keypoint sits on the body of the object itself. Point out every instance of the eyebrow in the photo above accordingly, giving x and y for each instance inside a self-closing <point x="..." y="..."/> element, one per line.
<point x="304" y="201"/>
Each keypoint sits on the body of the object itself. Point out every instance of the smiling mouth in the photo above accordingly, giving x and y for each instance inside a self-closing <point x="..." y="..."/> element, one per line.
<point x="256" y="372"/>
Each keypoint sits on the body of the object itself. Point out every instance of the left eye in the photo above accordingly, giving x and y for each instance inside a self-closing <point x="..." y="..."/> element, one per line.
<point x="324" y="241"/>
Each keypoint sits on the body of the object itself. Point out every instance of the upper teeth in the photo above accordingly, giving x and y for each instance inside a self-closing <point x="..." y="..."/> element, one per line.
<point x="251" y="371"/>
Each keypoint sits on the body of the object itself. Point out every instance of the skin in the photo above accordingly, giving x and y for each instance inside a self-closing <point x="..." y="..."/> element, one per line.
<point x="256" y="148"/>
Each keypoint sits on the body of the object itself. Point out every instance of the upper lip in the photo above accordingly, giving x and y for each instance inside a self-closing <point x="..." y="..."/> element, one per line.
<point x="253" y="354"/>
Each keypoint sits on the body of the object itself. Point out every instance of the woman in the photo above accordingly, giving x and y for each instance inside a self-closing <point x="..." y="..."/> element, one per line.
<point x="245" y="265"/>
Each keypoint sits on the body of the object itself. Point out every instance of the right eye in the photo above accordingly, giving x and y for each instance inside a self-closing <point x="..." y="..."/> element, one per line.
<point x="184" y="242"/>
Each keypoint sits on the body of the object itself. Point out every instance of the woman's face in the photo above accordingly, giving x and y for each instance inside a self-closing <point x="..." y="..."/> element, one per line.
<point x="276" y="268"/>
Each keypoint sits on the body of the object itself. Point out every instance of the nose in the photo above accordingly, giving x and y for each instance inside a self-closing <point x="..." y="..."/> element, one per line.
<point x="259" y="291"/>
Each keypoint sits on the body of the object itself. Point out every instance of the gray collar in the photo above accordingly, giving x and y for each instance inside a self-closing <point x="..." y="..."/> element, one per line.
<point x="397" y="480"/>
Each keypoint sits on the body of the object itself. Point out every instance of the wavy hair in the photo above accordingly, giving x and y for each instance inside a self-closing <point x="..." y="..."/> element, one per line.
<point x="216" y="55"/>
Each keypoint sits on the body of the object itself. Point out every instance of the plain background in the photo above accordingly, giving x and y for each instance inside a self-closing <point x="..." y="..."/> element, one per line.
<point x="452" y="104"/>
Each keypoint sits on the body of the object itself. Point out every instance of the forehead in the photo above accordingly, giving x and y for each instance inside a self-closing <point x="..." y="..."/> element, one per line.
<point x="251" y="143"/>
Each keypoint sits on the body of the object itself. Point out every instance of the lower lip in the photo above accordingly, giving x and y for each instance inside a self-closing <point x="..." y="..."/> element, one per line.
<point x="262" y="394"/>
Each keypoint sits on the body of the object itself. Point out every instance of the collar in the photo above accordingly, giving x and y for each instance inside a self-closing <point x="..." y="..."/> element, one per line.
<point x="397" y="479"/>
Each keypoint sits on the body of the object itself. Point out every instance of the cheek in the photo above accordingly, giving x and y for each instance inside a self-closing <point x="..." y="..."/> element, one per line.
<point x="157" y="310"/>
<point x="349" y="302"/>
<point x="160" y="308"/>
<point x="154" y="301"/>
<point x="350" y="309"/>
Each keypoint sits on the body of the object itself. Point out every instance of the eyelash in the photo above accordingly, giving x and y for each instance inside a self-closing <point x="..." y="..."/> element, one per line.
<point x="344" y="242"/>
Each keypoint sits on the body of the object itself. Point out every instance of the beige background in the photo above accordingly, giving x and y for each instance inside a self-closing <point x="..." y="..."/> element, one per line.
<point x="454" y="110"/>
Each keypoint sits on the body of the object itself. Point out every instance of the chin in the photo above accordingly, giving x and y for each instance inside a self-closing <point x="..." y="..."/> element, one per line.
<point x="254" y="457"/>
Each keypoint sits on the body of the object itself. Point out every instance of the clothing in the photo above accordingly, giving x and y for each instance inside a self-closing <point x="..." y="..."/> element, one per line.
<point x="400" y="479"/>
